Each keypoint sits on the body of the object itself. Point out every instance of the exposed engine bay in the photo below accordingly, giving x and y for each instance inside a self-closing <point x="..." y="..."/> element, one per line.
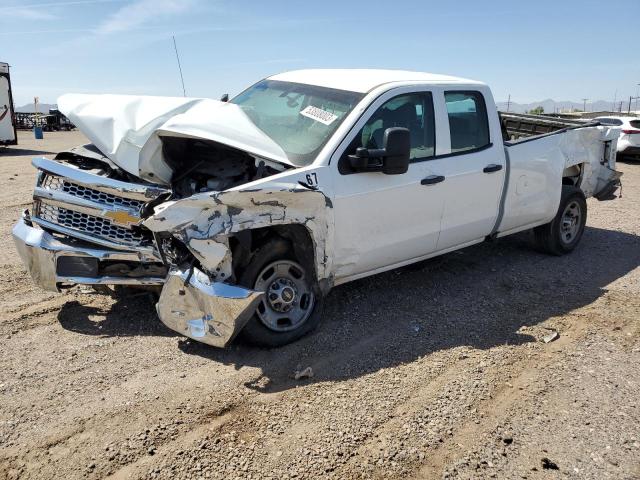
<point x="202" y="166"/>
<point x="199" y="166"/>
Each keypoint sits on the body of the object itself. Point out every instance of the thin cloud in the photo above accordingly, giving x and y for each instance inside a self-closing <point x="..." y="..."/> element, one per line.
<point x="56" y="4"/>
<point x="27" y="13"/>
<point x="41" y="32"/>
<point x="139" y="12"/>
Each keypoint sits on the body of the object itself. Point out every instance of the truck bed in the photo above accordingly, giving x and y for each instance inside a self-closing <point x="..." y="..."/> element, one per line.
<point x="521" y="125"/>
<point x="582" y="155"/>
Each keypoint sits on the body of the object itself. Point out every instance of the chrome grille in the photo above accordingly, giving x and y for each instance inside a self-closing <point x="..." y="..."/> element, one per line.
<point x="90" y="225"/>
<point x="54" y="182"/>
<point x="93" y="208"/>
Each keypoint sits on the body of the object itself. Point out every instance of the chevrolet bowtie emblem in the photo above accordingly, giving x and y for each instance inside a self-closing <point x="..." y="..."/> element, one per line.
<point x="120" y="217"/>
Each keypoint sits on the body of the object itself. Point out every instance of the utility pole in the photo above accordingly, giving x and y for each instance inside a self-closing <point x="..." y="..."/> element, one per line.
<point x="508" y="103"/>
<point x="637" y="97"/>
<point x="630" y="98"/>
<point x="584" y="104"/>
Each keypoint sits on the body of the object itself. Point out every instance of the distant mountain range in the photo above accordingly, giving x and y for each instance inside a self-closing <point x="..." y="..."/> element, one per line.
<point x="551" y="106"/>
<point x="42" y="108"/>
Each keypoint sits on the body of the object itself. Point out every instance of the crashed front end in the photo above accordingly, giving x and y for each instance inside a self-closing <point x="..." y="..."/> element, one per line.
<point x="93" y="224"/>
<point x="163" y="195"/>
<point x="86" y="228"/>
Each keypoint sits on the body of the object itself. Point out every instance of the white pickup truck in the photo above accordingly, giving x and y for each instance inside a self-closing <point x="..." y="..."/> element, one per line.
<point x="247" y="212"/>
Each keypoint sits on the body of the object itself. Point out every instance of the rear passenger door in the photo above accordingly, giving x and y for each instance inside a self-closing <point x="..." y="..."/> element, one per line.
<point x="473" y="170"/>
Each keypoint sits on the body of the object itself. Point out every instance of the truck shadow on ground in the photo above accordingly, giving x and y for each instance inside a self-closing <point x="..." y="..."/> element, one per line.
<point x="133" y="314"/>
<point x="480" y="297"/>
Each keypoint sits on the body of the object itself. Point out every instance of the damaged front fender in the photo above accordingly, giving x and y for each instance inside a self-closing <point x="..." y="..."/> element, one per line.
<point x="209" y="312"/>
<point x="193" y="302"/>
<point x="204" y="221"/>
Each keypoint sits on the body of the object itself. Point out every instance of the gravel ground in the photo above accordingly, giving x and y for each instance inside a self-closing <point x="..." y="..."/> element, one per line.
<point x="437" y="370"/>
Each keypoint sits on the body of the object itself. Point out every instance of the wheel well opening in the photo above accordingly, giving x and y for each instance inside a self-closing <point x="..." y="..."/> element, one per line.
<point x="572" y="175"/>
<point x="245" y="243"/>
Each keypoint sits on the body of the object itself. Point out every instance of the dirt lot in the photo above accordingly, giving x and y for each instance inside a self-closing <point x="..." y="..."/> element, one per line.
<point x="433" y="371"/>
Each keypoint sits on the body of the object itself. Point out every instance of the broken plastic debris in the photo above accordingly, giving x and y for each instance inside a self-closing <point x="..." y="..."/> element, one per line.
<point x="551" y="337"/>
<point x="306" y="373"/>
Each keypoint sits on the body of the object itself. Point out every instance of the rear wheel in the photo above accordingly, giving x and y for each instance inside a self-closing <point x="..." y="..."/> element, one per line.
<point x="292" y="304"/>
<point x="564" y="232"/>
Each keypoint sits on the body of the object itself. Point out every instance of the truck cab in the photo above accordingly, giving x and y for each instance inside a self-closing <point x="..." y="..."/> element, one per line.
<point x="455" y="146"/>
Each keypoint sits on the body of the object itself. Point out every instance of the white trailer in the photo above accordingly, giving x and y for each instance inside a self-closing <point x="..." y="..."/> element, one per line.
<point x="8" y="134"/>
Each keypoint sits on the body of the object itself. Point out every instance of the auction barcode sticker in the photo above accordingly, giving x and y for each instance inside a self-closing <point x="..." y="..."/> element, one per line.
<point x="319" y="115"/>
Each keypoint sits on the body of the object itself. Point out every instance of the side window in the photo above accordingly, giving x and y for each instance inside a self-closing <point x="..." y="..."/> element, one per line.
<point x="468" y="122"/>
<point x="413" y="111"/>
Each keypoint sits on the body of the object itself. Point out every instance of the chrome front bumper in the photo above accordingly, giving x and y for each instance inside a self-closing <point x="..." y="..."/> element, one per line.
<point x="40" y="252"/>
<point x="208" y="312"/>
<point x="190" y="304"/>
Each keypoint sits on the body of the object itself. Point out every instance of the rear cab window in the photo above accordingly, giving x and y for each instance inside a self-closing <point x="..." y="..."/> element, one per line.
<point x="468" y="120"/>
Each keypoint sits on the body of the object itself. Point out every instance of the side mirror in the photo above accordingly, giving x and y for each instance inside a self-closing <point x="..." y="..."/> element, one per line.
<point x="397" y="146"/>
<point x="393" y="159"/>
<point x="224" y="98"/>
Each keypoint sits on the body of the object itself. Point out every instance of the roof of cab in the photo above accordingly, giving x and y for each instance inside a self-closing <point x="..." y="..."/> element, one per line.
<point x="363" y="80"/>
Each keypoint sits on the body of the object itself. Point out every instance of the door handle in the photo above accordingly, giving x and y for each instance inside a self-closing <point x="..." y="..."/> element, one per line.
<point x="432" y="179"/>
<point x="492" y="167"/>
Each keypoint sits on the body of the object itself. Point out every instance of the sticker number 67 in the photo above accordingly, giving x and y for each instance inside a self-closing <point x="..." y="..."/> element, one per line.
<point x="312" y="179"/>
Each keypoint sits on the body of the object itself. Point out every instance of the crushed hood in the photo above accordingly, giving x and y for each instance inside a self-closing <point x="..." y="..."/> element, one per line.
<point x="127" y="128"/>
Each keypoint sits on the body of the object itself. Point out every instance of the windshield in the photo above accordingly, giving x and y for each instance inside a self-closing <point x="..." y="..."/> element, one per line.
<point x="300" y="118"/>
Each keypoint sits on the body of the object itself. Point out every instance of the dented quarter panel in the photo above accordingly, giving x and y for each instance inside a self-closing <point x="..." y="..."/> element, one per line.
<point x="536" y="171"/>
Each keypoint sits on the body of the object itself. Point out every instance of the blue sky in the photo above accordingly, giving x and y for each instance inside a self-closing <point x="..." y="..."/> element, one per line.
<point x="562" y="49"/>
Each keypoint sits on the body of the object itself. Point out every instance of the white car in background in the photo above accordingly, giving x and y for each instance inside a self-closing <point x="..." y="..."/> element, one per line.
<point x="629" y="142"/>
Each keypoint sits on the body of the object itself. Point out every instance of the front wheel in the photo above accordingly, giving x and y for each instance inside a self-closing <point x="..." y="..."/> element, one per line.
<point x="564" y="232"/>
<point x="292" y="303"/>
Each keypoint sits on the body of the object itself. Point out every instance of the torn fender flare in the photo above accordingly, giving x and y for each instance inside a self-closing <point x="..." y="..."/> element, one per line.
<point x="202" y="219"/>
<point x="206" y="311"/>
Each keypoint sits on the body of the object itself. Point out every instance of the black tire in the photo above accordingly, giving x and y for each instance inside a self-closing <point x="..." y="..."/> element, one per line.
<point x="552" y="237"/>
<point x="256" y="331"/>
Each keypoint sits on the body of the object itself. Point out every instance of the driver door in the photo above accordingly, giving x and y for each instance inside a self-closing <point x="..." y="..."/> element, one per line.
<point x="384" y="220"/>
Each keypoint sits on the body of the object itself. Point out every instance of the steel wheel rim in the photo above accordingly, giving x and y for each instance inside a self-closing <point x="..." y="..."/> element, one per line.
<point x="288" y="300"/>
<point x="570" y="222"/>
